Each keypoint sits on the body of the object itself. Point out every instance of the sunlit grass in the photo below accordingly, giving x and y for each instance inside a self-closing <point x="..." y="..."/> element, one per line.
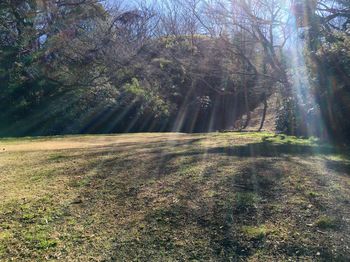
<point x="169" y="196"/>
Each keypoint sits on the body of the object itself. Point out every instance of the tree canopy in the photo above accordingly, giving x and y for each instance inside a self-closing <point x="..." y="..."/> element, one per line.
<point x="82" y="66"/>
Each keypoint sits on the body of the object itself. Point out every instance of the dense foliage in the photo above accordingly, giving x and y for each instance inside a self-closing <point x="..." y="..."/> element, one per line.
<point x="81" y="67"/>
<point x="324" y="78"/>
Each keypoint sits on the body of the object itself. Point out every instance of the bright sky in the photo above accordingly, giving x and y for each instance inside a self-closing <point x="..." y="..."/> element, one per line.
<point x="128" y="2"/>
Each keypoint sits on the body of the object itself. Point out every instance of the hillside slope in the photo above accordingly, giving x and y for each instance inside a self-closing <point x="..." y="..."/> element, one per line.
<point x="173" y="197"/>
<point x="256" y="116"/>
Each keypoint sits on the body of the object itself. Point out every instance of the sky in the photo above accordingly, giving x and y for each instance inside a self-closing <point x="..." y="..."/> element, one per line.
<point x="128" y="2"/>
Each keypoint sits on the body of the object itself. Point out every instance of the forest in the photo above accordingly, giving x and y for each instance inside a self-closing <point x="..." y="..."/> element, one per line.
<point x="85" y="66"/>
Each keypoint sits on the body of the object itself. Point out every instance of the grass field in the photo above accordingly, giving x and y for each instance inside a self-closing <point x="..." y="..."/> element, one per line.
<point x="173" y="197"/>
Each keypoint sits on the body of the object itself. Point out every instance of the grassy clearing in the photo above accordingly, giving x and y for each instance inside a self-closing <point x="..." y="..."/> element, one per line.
<point x="167" y="197"/>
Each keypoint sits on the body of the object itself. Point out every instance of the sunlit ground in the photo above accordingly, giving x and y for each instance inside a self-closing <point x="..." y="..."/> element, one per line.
<point x="167" y="197"/>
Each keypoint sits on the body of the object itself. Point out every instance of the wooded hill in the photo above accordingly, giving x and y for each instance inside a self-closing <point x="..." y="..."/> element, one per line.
<point x="85" y="67"/>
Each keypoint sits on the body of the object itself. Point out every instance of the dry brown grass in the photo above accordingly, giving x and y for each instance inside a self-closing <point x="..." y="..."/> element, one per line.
<point x="168" y="197"/>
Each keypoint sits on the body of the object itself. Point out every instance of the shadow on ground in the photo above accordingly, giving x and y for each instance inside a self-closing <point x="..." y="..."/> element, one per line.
<point x="222" y="202"/>
<point x="194" y="198"/>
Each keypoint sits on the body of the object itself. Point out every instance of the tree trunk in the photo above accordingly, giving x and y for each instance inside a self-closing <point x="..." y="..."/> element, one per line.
<point x="264" y="115"/>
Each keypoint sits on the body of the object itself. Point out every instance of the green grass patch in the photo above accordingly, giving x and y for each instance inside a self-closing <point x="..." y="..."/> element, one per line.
<point x="42" y="175"/>
<point x="38" y="237"/>
<point x="291" y="140"/>
<point x="56" y="157"/>
<point x="46" y="244"/>
<point x="326" y="222"/>
<point x="246" y="200"/>
<point x="5" y="235"/>
<point x="79" y="182"/>
<point x="313" y="194"/>
<point x="257" y="232"/>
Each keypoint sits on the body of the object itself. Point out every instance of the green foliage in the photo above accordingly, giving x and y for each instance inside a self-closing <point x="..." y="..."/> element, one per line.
<point x="286" y="117"/>
<point x="148" y="99"/>
<point x="84" y="69"/>
<point x="330" y="68"/>
<point x="325" y="80"/>
<point x="33" y="74"/>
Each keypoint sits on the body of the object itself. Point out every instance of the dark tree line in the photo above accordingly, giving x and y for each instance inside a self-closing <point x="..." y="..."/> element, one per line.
<point x="81" y="66"/>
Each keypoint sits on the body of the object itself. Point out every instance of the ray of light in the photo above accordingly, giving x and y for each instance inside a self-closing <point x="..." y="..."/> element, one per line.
<point x="306" y="102"/>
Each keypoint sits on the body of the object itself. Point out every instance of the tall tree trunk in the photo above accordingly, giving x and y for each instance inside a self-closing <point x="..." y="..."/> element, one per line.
<point x="264" y="115"/>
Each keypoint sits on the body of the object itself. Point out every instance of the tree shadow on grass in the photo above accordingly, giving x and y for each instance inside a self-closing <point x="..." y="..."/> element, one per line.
<point x="246" y="198"/>
<point x="248" y="193"/>
<point x="196" y="226"/>
<point x="268" y="149"/>
<point x="340" y="167"/>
